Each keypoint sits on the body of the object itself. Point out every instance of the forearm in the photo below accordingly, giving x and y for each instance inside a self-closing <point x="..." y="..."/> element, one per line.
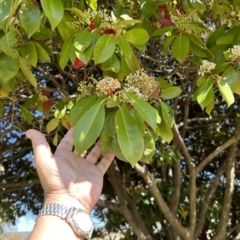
<point x="52" y="227"/>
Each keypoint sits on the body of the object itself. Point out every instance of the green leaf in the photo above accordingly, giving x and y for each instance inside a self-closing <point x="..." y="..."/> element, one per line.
<point x="149" y="148"/>
<point x="132" y="63"/>
<point x="180" y="48"/>
<point x="43" y="34"/>
<point x="104" y="48"/>
<point x="162" y="30"/>
<point x="89" y="127"/>
<point x="54" y="11"/>
<point x="81" y="107"/>
<point x="226" y="39"/>
<point x="149" y="8"/>
<point x="215" y="35"/>
<point x="165" y="131"/>
<point x="109" y="125"/>
<point x="129" y="136"/>
<point x="29" y="53"/>
<point x="9" y="67"/>
<point x="82" y="40"/>
<point x="8" y="44"/>
<point x="65" y="53"/>
<point x="28" y="74"/>
<point x="125" y="47"/>
<point x="205" y="94"/>
<point x="26" y="115"/>
<point x="171" y="92"/>
<point x="42" y="53"/>
<point x="198" y="5"/>
<point x="66" y="27"/>
<point x="92" y="4"/>
<point x="113" y="102"/>
<point x="167" y="113"/>
<point x="77" y="11"/>
<point x="139" y="120"/>
<point x="226" y="92"/>
<point x="136" y="36"/>
<point x="117" y="150"/>
<point x="1" y="109"/>
<point x="30" y="18"/>
<point x="106" y="143"/>
<point x="148" y="113"/>
<point x="231" y="76"/>
<point x="112" y="64"/>
<point x="52" y="125"/>
<point x="86" y="55"/>
<point x="5" y="11"/>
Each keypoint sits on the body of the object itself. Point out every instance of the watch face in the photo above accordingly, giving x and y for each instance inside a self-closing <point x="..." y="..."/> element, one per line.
<point x="83" y="221"/>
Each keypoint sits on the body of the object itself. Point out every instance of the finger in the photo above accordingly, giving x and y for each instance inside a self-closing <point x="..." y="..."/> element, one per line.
<point x="105" y="162"/>
<point x="94" y="154"/>
<point x="41" y="149"/>
<point x="67" y="142"/>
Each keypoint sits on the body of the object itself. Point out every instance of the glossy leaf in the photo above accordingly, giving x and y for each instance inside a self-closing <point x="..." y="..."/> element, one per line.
<point x="28" y="74"/>
<point x="77" y="11"/>
<point x="5" y="11"/>
<point x="65" y="53"/>
<point x="205" y="94"/>
<point x="112" y="64"/>
<point x="43" y="55"/>
<point x="125" y="47"/>
<point x="81" y="107"/>
<point x="106" y="143"/>
<point x="52" y="125"/>
<point x="86" y="55"/>
<point x="29" y="53"/>
<point x="104" y="48"/>
<point x="30" y="18"/>
<point x="132" y="63"/>
<point x="129" y="136"/>
<point x="149" y="8"/>
<point x="9" y="67"/>
<point x="226" y="92"/>
<point x="117" y="150"/>
<point x="148" y="113"/>
<point x="82" y="40"/>
<point x="165" y="131"/>
<point x="89" y="127"/>
<point x="92" y="4"/>
<point x="136" y="36"/>
<point x="109" y="125"/>
<point x="54" y="11"/>
<point x="171" y="92"/>
<point x="8" y="44"/>
<point x="149" y="148"/>
<point x="26" y="115"/>
<point x="181" y="48"/>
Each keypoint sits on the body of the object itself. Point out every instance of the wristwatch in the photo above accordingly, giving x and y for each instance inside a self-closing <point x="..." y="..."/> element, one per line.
<point x="78" y="219"/>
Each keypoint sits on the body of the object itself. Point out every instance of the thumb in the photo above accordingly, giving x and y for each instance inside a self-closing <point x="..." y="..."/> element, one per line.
<point x="41" y="149"/>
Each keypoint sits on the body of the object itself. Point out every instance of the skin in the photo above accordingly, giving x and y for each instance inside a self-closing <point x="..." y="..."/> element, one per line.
<point x="66" y="179"/>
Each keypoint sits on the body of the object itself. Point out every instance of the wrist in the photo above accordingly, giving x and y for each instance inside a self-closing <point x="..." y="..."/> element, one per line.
<point x="65" y="200"/>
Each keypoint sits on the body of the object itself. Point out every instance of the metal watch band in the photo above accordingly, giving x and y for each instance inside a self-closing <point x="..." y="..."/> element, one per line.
<point x="54" y="209"/>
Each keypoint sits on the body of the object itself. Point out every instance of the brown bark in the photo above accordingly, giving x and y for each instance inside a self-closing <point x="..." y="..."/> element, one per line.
<point x="128" y="207"/>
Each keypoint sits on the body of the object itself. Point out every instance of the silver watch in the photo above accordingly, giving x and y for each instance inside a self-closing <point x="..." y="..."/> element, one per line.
<point x="79" y="219"/>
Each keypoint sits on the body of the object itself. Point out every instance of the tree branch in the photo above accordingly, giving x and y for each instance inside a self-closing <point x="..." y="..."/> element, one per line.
<point x="219" y="149"/>
<point x="206" y="200"/>
<point x="128" y="207"/>
<point x="148" y="178"/>
<point x="229" y="187"/>
<point x="115" y="207"/>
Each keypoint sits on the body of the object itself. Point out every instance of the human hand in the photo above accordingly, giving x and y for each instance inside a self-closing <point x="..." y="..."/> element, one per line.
<point x="65" y="177"/>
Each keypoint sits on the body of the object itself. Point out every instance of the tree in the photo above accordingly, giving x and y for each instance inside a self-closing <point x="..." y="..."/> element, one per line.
<point x="156" y="81"/>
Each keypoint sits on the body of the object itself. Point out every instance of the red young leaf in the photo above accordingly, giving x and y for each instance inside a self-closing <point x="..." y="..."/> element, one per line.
<point x="47" y="106"/>
<point x="163" y="8"/>
<point x="109" y="31"/>
<point x="46" y="93"/>
<point x="166" y="22"/>
<point x="78" y="63"/>
<point x="92" y="26"/>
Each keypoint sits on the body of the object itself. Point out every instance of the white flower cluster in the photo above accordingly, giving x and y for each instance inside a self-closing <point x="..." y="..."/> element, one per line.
<point x="107" y="85"/>
<point x="85" y="88"/>
<point x="236" y="15"/>
<point x="141" y="81"/>
<point x="234" y="53"/>
<point x="206" y="67"/>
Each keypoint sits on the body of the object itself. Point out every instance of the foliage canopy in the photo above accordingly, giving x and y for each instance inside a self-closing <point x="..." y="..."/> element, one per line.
<point x="157" y="81"/>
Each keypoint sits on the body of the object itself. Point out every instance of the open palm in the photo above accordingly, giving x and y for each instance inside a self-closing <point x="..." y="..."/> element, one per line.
<point x="65" y="177"/>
